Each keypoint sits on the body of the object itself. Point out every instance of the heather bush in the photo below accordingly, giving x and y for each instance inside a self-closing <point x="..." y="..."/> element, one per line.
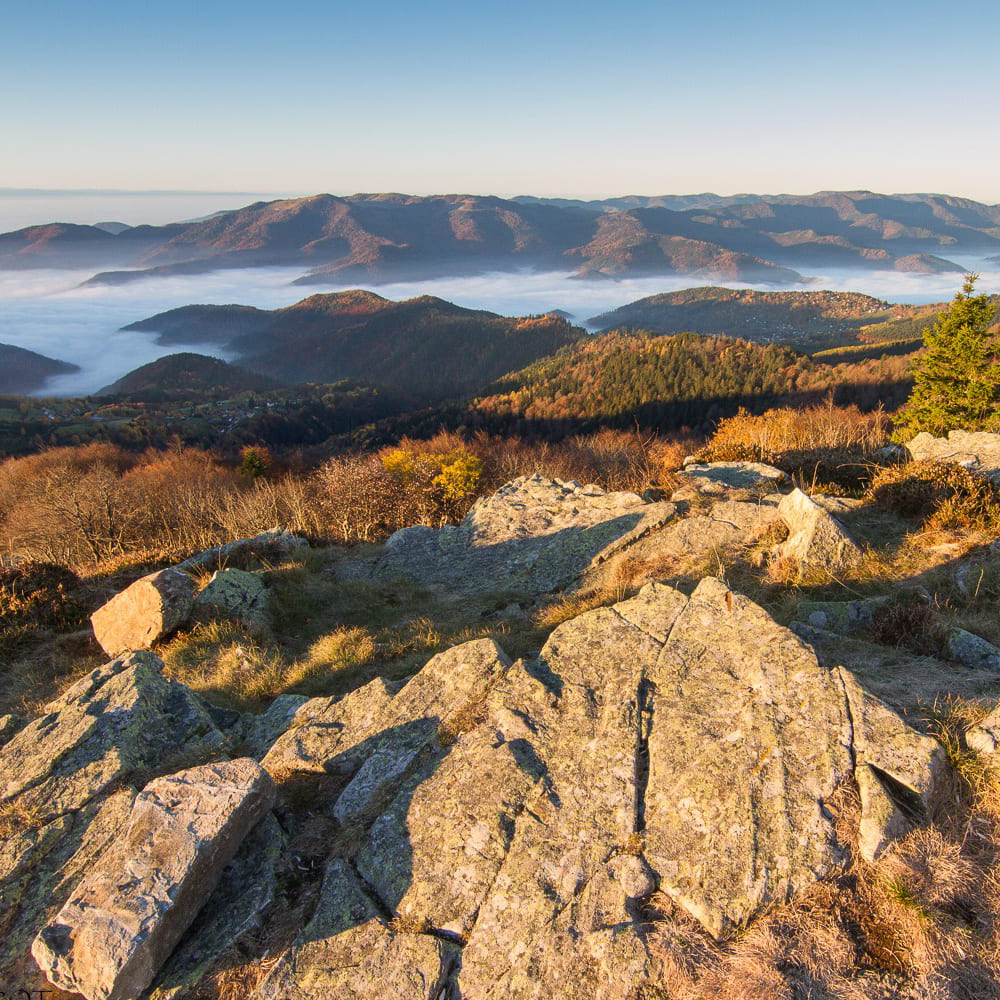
<point x="940" y="496"/>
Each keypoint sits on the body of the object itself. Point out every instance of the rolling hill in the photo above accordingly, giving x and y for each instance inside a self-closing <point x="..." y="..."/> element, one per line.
<point x="424" y="346"/>
<point x="187" y="377"/>
<point x="23" y="371"/>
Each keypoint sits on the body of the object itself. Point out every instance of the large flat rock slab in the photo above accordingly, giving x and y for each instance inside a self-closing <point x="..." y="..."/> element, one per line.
<point x="115" y="723"/>
<point x="531" y="537"/>
<point x="124" y="919"/>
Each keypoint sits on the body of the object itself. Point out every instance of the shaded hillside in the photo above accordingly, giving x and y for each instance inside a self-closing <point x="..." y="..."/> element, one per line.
<point x="794" y="317"/>
<point x="286" y="419"/>
<point x="424" y="346"/>
<point x="23" y="371"/>
<point x="187" y="377"/>
<point x="396" y="236"/>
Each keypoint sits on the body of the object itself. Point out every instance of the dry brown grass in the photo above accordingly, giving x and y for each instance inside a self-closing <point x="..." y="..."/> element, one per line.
<point x="766" y="438"/>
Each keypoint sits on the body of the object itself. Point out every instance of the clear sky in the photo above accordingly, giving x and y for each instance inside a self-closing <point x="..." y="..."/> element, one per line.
<point x="548" y="97"/>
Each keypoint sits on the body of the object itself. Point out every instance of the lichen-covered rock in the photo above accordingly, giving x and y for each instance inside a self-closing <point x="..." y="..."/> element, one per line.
<point x="123" y="920"/>
<point x="349" y="950"/>
<point x="730" y="523"/>
<point x="816" y="538"/>
<point x="749" y="737"/>
<point x="975" y="450"/>
<point x="145" y="612"/>
<point x="116" y="723"/>
<point x="258" y="733"/>
<point x="719" y="477"/>
<point x="233" y="593"/>
<point x="39" y="867"/>
<point x="973" y="651"/>
<point x="840" y="616"/>
<point x="532" y="536"/>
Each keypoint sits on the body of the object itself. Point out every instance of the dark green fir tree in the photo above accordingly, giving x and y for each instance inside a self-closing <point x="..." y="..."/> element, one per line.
<point x="956" y="382"/>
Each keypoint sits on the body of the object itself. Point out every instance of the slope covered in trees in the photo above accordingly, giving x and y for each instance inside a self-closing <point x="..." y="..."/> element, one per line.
<point x="806" y="318"/>
<point x="665" y="382"/>
<point x="424" y="346"/>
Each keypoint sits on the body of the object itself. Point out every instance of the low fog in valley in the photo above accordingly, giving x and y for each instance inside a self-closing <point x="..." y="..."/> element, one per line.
<point x="47" y="311"/>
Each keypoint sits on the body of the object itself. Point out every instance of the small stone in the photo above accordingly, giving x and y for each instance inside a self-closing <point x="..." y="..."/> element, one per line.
<point x="816" y="538"/>
<point x="634" y="875"/>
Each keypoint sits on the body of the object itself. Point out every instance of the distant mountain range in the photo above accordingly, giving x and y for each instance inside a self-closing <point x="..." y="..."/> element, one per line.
<point x="382" y="237"/>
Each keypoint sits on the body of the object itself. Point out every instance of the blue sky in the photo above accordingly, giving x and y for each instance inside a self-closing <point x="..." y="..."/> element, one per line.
<point x="556" y="98"/>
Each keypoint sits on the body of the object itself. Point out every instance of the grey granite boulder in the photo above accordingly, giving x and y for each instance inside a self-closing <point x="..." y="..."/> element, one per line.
<point x="125" y="917"/>
<point x="720" y="477"/>
<point x="236" y="594"/>
<point x="816" y="538"/>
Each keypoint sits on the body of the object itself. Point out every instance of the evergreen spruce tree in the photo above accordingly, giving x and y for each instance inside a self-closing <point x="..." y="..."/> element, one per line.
<point x="956" y="383"/>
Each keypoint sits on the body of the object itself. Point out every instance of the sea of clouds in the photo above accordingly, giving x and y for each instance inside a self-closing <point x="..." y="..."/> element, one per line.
<point x="49" y="312"/>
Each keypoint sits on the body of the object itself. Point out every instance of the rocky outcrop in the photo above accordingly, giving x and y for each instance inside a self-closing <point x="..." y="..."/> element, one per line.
<point x="234" y="594"/>
<point x="976" y="451"/>
<point x="683" y="744"/>
<point x="816" y="538"/>
<point x="532" y="536"/>
<point x="718" y="478"/>
<point x="145" y="612"/>
<point x="125" y="917"/>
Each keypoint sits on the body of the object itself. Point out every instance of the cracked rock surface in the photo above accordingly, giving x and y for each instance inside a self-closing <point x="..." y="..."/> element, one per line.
<point x="532" y="536"/>
<point x="688" y="745"/>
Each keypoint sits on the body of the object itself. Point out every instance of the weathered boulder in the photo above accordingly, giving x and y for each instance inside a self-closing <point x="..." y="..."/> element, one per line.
<point x="532" y="536"/>
<point x="40" y="865"/>
<point x="816" y="538"/>
<point x="236" y="594"/>
<point x="115" y="724"/>
<point x="145" y="612"/>
<point x="236" y="906"/>
<point x="125" y="917"/>
<point x="729" y="524"/>
<point x="978" y="451"/>
<point x="279" y="541"/>
<point x="720" y="477"/>
<point x="973" y="651"/>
